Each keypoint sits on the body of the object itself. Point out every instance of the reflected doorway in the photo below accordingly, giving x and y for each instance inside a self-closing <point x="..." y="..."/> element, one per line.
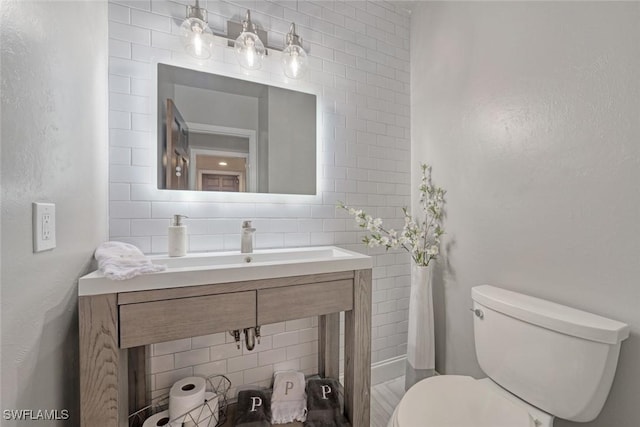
<point x="219" y="171"/>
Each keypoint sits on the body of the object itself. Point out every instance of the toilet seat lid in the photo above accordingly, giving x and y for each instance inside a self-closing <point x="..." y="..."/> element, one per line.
<point x="458" y="401"/>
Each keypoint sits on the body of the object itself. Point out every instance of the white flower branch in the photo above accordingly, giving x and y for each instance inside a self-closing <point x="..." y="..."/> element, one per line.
<point x="421" y="240"/>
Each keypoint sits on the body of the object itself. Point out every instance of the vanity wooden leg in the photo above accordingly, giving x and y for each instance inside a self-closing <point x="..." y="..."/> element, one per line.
<point x="139" y="395"/>
<point x="357" y="365"/>
<point x="100" y="361"/>
<point x="329" y="345"/>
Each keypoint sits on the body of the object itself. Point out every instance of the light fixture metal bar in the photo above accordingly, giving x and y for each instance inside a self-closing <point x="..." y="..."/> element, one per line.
<point x="234" y="29"/>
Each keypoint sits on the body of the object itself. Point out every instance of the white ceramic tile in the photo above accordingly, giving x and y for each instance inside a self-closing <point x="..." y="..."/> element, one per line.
<point x="124" y="32"/>
<point x="294" y="325"/>
<point x="143" y="157"/>
<point x="269" y="357"/>
<point x="255" y="375"/>
<point x="130" y="103"/>
<point x="308" y="335"/>
<point x="296" y="239"/>
<point x="118" y="13"/>
<point x="120" y="227"/>
<point x="129" y="173"/>
<point x="146" y="227"/>
<point x="135" y="4"/>
<point x="119" y="49"/>
<point x="285" y="339"/>
<point x="309" y="363"/>
<point x="273" y="328"/>
<point x="269" y="240"/>
<point x="119" y="156"/>
<point x="167" y="379"/>
<point x="305" y="349"/>
<point x="224" y="351"/>
<point x="211" y="368"/>
<point x="119" y="191"/>
<point x="119" y="120"/>
<point x="287" y="366"/>
<point x="120" y="209"/>
<point x="242" y="363"/>
<point x="148" y="54"/>
<point x="171" y="347"/>
<point x="152" y="21"/>
<point x="322" y="239"/>
<point x="141" y="122"/>
<point x="162" y="363"/>
<point x="159" y="245"/>
<point x="191" y="357"/>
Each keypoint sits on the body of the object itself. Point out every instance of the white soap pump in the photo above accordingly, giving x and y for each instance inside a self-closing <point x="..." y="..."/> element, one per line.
<point x="178" y="237"/>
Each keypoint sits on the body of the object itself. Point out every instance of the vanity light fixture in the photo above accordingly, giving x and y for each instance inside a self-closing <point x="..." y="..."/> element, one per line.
<point x="294" y="57"/>
<point x="249" y="44"/>
<point x="249" y="48"/>
<point x="222" y="163"/>
<point x="196" y="36"/>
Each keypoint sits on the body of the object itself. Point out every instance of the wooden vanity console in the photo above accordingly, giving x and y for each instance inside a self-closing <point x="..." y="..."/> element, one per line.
<point x="116" y="328"/>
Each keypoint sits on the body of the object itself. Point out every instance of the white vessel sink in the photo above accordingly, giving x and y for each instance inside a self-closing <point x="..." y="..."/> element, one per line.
<point x="224" y="267"/>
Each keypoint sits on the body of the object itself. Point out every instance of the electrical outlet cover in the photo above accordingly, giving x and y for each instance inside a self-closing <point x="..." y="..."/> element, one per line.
<point x="44" y="226"/>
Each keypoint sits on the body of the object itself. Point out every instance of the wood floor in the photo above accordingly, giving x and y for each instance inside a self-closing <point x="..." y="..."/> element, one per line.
<point x="384" y="399"/>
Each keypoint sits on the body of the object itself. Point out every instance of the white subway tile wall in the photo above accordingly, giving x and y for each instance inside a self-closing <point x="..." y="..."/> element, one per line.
<point x="359" y="68"/>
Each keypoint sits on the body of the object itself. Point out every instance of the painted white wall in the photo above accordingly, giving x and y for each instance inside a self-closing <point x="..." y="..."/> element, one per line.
<point x="54" y="148"/>
<point x="359" y="69"/>
<point x="529" y="114"/>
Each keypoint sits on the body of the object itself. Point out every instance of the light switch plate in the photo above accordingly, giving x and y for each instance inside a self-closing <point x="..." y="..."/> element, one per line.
<point x="44" y="226"/>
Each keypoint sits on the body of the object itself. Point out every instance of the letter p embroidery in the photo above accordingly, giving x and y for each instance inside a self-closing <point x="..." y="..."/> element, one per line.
<point x="288" y="386"/>
<point x="325" y="391"/>
<point x="256" y="401"/>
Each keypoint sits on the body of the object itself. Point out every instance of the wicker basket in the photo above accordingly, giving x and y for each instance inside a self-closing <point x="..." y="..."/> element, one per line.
<point x="206" y="415"/>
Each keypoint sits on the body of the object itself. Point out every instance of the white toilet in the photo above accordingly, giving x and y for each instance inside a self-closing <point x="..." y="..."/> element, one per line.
<point x="543" y="360"/>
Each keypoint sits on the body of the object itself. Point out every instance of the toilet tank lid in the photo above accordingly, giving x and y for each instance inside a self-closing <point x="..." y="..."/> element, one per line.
<point x="550" y="315"/>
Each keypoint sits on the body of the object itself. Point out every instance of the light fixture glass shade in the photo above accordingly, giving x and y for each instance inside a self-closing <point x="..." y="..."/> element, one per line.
<point x="294" y="61"/>
<point x="294" y="57"/>
<point x="249" y="50"/>
<point x="197" y="37"/>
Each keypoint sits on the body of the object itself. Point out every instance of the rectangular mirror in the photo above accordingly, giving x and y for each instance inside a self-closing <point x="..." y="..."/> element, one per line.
<point x="217" y="133"/>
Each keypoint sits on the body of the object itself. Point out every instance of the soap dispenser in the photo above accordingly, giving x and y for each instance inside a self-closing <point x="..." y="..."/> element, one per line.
<point x="178" y="237"/>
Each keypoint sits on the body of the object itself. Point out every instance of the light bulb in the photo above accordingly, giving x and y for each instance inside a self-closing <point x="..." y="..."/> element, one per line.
<point x="197" y="45"/>
<point x="249" y="51"/>
<point x="294" y="64"/>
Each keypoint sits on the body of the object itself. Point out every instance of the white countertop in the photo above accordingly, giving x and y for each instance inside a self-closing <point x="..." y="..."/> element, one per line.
<point x="225" y="267"/>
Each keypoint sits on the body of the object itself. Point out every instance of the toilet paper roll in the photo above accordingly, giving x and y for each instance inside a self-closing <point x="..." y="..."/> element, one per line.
<point x="157" y="420"/>
<point x="184" y="396"/>
<point x="205" y="415"/>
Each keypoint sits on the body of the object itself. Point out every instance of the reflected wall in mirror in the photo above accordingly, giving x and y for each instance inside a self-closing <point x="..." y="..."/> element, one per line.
<point x="217" y="133"/>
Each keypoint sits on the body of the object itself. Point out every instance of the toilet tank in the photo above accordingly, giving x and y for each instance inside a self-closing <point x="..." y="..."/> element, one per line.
<point x="556" y="358"/>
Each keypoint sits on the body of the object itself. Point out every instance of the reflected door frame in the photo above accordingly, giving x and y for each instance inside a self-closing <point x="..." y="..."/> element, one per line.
<point x="239" y="177"/>
<point x="250" y="134"/>
<point x="195" y="177"/>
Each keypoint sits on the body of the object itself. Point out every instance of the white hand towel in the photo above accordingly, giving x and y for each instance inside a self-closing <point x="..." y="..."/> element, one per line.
<point x="121" y="261"/>
<point x="289" y="399"/>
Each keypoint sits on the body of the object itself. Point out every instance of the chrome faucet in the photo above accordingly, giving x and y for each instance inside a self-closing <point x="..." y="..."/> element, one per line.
<point x="246" y="242"/>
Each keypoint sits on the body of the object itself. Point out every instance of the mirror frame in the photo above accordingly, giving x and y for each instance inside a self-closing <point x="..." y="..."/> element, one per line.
<point x="255" y="77"/>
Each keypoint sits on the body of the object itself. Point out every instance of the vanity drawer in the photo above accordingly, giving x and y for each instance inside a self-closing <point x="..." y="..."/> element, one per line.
<point x="295" y="302"/>
<point x="159" y="321"/>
